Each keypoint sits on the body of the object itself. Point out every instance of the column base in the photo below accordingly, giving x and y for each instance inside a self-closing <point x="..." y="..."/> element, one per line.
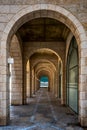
<point x="83" y="121"/>
<point x="4" y="121"/>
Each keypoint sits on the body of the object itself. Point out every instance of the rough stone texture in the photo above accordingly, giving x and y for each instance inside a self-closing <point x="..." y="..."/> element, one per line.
<point x="13" y="10"/>
<point x="16" y="81"/>
<point x="27" y="79"/>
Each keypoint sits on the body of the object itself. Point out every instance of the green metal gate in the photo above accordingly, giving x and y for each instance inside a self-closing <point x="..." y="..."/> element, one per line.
<point x="72" y="76"/>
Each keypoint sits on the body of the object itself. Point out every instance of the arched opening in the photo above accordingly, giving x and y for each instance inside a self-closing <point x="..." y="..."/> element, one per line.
<point x="44" y="82"/>
<point x="45" y="62"/>
<point x="72" y="75"/>
<point x="58" y="14"/>
<point x="46" y="72"/>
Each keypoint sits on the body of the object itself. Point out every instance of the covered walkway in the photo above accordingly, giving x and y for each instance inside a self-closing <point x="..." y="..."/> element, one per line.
<point x="43" y="38"/>
<point x="44" y="111"/>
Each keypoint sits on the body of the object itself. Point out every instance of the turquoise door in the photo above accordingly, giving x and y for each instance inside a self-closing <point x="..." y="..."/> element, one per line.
<point x="72" y="76"/>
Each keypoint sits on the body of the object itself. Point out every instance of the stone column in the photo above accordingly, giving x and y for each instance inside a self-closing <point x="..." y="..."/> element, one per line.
<point x="63" y="93"/>
<point x="56" y="84"/>
<point x="4" y="88"/>
<point x="27" y="86"/>
<point x="17" y="78"/>
<point x="33" y="81"/>
<point x="83" y="86"/>
<point x="30" y="81"/>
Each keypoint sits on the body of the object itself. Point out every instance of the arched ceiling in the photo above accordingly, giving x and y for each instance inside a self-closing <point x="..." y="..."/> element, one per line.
<point x="44" y="54"/>
<point x="43" y="57"/>
<point x="43" y="29"/>
<point x="44" y="73"/>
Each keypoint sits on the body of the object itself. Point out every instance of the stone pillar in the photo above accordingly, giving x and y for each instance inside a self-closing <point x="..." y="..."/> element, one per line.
<point x="4" y="88"/>
<point x="63" y="93"/>
<point x="83" y="87"/>
<point x="34" y="83"/>
<point x="24" y="84"/>
<point x="30" y="83"/>
<point x="27" y="86"/>
<point x="56" y="84"/>
<point x="33" y="90"/>
<point x="53" y="83"/>
<point x="17" y="79"/>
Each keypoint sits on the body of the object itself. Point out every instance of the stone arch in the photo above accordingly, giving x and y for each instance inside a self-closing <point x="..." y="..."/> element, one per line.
<point x="50" y="73"/>
<point x="68" y="43"/>
<point x="43" y="67"/>
<point x="51" y="11"/>
<point x="39" y="65"/>
<point x="43" y="61"/>
<point x="40" y="62"/>
<point x="44" y="49"/>
<point x="58" y="13"/>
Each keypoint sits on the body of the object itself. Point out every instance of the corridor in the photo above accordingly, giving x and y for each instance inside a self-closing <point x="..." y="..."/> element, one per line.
<point x="44" y="111"/>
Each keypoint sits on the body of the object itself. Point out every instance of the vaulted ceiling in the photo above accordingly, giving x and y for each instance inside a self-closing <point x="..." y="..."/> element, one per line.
<point x="43" y="29"/>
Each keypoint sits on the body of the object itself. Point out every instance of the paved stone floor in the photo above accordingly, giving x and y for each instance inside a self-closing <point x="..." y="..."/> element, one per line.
<point x="44" y="111"/>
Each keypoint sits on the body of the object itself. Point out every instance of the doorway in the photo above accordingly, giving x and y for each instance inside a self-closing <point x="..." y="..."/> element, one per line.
<point x="44" y="82"/>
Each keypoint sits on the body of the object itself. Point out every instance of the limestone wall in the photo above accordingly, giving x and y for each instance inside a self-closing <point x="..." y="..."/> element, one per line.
<point x="11" y="11"/>
<point x="8" y="8"/>
<point x="16" y="74"/>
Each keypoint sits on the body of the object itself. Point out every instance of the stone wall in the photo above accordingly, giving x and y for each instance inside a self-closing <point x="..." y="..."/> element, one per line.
<point x="12" y="12"/>
<point x="9" y="8"/>
<point x="16" y="74"/>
